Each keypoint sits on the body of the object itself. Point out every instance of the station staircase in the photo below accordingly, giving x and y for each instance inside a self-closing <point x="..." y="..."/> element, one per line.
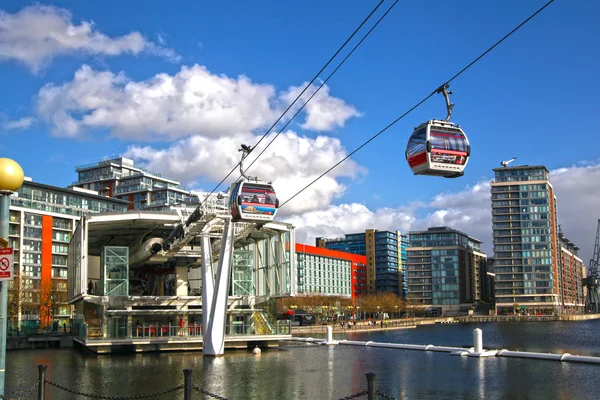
<point x="261" y="324"/>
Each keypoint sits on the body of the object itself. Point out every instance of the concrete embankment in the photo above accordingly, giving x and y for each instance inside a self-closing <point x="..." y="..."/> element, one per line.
<point x="528" y="318"/>
<point x="39" y="342"/>
<point x="391" y="324"/>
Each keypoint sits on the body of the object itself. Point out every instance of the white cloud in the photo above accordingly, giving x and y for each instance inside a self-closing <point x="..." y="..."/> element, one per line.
<point x="192" y="102"/>
<point x="22" y="123"/>
<point x="323" y="112"/>
<point x="38" y="33"/>
<point x="576" y="189"/>
<point x="291" y="162"/>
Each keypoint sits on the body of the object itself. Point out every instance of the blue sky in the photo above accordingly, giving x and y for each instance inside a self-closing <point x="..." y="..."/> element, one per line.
<point x="533" y="97"/>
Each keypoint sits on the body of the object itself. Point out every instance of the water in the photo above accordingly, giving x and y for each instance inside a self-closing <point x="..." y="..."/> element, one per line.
<point x="320" y="372"/>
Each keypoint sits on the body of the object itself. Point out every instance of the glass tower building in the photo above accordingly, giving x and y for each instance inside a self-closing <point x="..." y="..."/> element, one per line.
<point x="527" y="251"/>
<point x="384" y="252"/>
<point x="443" y="269"/>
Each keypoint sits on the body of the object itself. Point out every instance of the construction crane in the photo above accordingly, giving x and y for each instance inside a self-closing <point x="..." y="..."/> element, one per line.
<point x="505" y="163"/>
<point x="592" y="281"/>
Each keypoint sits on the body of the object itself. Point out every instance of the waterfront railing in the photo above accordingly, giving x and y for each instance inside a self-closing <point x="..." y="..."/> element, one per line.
<point x="187" y="387"/>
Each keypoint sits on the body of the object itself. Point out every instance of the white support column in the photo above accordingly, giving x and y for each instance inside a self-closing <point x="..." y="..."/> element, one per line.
<point x="293" y="266"/>
<point x="208" y="287"/>
<point x="215" y="345"/>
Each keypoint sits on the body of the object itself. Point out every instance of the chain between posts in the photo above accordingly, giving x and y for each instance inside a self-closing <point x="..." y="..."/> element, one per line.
<point x="385" y="396"/>
<point x="24" y="395"/>
<point x="94" y="396"/>
<point x="207" y="393"/>
<point x="355" y="395"/>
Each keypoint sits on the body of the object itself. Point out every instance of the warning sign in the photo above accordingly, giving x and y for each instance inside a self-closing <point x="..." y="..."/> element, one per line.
<point x="6" y="264"/>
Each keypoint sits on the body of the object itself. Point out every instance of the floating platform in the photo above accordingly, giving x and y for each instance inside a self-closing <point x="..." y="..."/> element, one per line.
<point x="175" y="343"/>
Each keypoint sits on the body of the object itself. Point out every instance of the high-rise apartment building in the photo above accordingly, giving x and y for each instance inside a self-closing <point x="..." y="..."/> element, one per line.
<point x="444" y="269"/>
<point x="528" y="260"/>
<point x="327" y="272"/>
<point x="121" y="179"/>
<point x="42" y="219"/>
<point x="383" y="251"/>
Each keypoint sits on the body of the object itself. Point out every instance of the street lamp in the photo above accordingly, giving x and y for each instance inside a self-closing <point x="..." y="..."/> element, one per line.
<point x="11" y="179"/>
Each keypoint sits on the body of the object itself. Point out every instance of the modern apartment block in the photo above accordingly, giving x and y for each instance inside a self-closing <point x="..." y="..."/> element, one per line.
<point x="121" y="179"/>
<point x="531" y="275"/>
<point x="329" y="272"/>
<point x="383" y="251"/>
<point x="573" y="272"/>
<point x="42" y="219"/>
<point x="444" y="269"/>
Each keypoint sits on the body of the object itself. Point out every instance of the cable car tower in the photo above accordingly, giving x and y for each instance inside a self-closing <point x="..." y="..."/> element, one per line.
<point x="592" y="281"/>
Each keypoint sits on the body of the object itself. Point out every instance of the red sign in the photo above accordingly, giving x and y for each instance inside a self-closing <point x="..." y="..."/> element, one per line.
<point x="6" y="264"/>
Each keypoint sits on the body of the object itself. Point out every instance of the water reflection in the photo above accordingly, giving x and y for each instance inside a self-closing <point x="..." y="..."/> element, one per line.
<point x="332" y="372"/>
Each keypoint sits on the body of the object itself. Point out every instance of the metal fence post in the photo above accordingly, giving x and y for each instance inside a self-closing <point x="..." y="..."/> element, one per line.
<point x="187" y="383"/>
<point x="370" y="385"/>
<point x="42" y="382"/>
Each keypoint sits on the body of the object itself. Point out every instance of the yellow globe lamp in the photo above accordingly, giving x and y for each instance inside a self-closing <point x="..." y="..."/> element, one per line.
<point x="11" y="175"/>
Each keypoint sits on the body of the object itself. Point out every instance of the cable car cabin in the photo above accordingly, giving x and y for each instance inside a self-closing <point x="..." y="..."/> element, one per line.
<point x="438" y="148"/>
<point x="253" y="202"/>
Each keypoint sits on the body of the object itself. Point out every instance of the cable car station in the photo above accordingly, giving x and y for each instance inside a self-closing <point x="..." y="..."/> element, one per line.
<point x="178" y="280"/>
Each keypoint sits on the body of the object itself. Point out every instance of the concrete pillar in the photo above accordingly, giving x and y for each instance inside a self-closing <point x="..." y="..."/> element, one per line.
<point x="208" y="287"/>
<point x="182" y="281"/>
<point x="129" y="323"/>
<point x="104" y="325"/>
<point x="214" y="345"/>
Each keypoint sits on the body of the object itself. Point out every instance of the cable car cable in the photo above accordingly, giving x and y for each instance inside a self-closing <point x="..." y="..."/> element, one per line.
<point x="300" y="95"/>
<point x="420" y="102"/>
<point x="323" y="83"/>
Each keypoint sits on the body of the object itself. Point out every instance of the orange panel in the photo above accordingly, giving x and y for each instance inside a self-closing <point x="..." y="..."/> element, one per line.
<point x="46" y="283"/>
<point x="130" y="207"/>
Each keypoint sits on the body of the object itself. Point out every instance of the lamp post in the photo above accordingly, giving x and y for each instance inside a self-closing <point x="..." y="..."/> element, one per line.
<point x="11" y="179"/>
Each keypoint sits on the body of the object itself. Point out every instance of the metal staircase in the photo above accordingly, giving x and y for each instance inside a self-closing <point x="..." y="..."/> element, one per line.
<point x="261" y="324"/>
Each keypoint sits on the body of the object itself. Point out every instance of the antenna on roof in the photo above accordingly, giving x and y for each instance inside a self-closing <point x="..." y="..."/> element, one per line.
<point x="505" y="163"/>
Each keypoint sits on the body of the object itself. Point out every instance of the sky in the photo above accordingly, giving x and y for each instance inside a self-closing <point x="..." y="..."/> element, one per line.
<point x="179" y="88"/>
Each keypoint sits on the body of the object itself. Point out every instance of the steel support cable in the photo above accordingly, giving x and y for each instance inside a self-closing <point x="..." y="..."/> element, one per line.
<point x="420" y="102"/>
<point x="299" y="96"/>
<point x="323" y="83"/>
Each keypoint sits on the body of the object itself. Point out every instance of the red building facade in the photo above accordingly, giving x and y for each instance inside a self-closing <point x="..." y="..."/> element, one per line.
<point x="327" y="272"/>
